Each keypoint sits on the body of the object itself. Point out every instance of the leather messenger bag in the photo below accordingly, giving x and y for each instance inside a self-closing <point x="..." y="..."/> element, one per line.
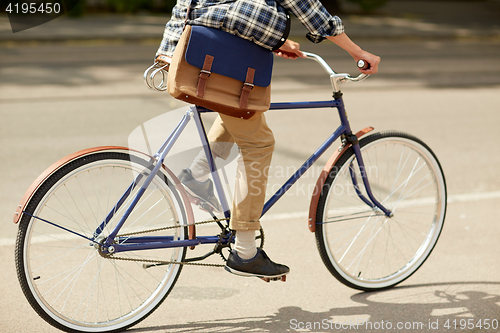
<point x="221" y="72"/>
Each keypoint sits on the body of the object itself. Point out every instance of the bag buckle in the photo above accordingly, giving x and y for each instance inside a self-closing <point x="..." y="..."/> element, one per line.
<point x="249" y="85"/>
<point x="206" y="72"/>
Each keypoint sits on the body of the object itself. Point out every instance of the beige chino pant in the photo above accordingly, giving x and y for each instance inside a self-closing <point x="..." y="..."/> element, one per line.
<point x="256" y="143"/>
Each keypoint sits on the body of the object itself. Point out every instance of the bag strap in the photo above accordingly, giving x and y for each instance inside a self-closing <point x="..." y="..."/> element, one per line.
<point x="207" y="65"/>
<point x="188" y="10"/>
<point x="204" y="75"/>
<point x="247" y="87"/>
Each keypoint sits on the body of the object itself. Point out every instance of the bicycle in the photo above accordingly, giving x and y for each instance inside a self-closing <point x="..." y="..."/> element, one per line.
<point x="103" y="233"/>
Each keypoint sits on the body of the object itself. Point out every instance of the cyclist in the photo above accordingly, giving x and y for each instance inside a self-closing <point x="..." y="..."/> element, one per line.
<point x="266" y="23"/>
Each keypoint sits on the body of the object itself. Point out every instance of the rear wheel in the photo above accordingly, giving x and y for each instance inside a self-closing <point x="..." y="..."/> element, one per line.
<point x="360" y="246"/>
<point x="64" y="276"/>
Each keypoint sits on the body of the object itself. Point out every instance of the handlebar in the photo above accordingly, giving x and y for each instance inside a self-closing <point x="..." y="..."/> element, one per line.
<point x="335" y="78"/>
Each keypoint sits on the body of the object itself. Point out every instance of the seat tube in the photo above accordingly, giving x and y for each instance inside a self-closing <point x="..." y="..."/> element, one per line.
<point x="211" y="161"/>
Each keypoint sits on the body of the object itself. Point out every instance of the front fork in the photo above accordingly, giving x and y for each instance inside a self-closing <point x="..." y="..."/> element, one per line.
<point x="370" y="201"/>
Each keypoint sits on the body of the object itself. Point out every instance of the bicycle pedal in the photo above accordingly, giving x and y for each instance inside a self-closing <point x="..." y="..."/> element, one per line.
<point x="279" y="278"/>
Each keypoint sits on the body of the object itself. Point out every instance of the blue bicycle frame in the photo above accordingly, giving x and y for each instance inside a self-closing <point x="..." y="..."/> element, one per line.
<point x="154" y="242"/>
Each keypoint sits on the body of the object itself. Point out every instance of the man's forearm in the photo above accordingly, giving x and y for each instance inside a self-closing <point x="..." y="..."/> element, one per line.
<point x="357" y="53"/>
<point x="347" y="44"/>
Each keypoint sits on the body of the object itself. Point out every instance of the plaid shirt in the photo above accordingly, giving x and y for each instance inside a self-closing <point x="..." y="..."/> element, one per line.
<point x="264" y="22"/>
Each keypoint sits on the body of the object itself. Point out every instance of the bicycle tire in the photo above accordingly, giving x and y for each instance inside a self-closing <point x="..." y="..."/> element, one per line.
<point x="63" y="276"/>
<point x="360" y="246"/>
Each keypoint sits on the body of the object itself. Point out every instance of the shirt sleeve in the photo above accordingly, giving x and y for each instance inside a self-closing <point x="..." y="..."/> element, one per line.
<point x="314" y="16"/>
<point x="173" y="30"/>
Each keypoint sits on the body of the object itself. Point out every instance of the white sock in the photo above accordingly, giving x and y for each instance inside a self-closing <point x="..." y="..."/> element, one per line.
<point x="200" y="168"/>
<point x="245" y="244"/>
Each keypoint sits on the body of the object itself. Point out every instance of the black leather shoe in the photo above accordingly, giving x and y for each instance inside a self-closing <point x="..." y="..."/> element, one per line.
<point x="259" y="266"/>
<point x="203" y="191"/>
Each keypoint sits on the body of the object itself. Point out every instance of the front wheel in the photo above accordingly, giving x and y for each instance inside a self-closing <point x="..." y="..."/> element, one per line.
<point x="363" y="248"/>
<point x="67" y="280"/>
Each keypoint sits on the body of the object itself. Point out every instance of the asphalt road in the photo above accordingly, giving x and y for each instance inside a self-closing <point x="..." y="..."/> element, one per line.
<point x="56" y="99"/>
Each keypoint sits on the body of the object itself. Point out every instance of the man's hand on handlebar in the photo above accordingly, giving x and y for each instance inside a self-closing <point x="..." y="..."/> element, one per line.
<point x="290" y="50"/>
<point x="369" y="58"/>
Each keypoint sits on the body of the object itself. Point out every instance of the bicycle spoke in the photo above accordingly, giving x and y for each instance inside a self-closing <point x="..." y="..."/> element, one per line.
<point x="362" y="252"/>
<point x="56" y="259"/>
<point x="76" y="205"/>
<point x="370" y="240"/>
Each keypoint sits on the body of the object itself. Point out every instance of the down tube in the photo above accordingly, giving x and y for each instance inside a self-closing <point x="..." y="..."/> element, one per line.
<point x="307" y="164"/>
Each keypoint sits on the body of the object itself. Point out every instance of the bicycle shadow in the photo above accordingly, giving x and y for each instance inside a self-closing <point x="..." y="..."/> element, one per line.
<point x="419" y="305"/>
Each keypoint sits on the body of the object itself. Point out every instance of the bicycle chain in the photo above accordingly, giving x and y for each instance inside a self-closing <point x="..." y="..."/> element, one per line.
<point x="171" y="227"/>
<point x="164" y="262"/>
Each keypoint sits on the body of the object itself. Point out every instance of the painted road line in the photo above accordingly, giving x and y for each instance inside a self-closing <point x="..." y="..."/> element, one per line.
<point x="467" y="197"/>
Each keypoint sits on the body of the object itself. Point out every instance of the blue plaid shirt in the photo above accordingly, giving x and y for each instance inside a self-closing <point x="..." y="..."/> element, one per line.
<point x="264" y="22"/>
